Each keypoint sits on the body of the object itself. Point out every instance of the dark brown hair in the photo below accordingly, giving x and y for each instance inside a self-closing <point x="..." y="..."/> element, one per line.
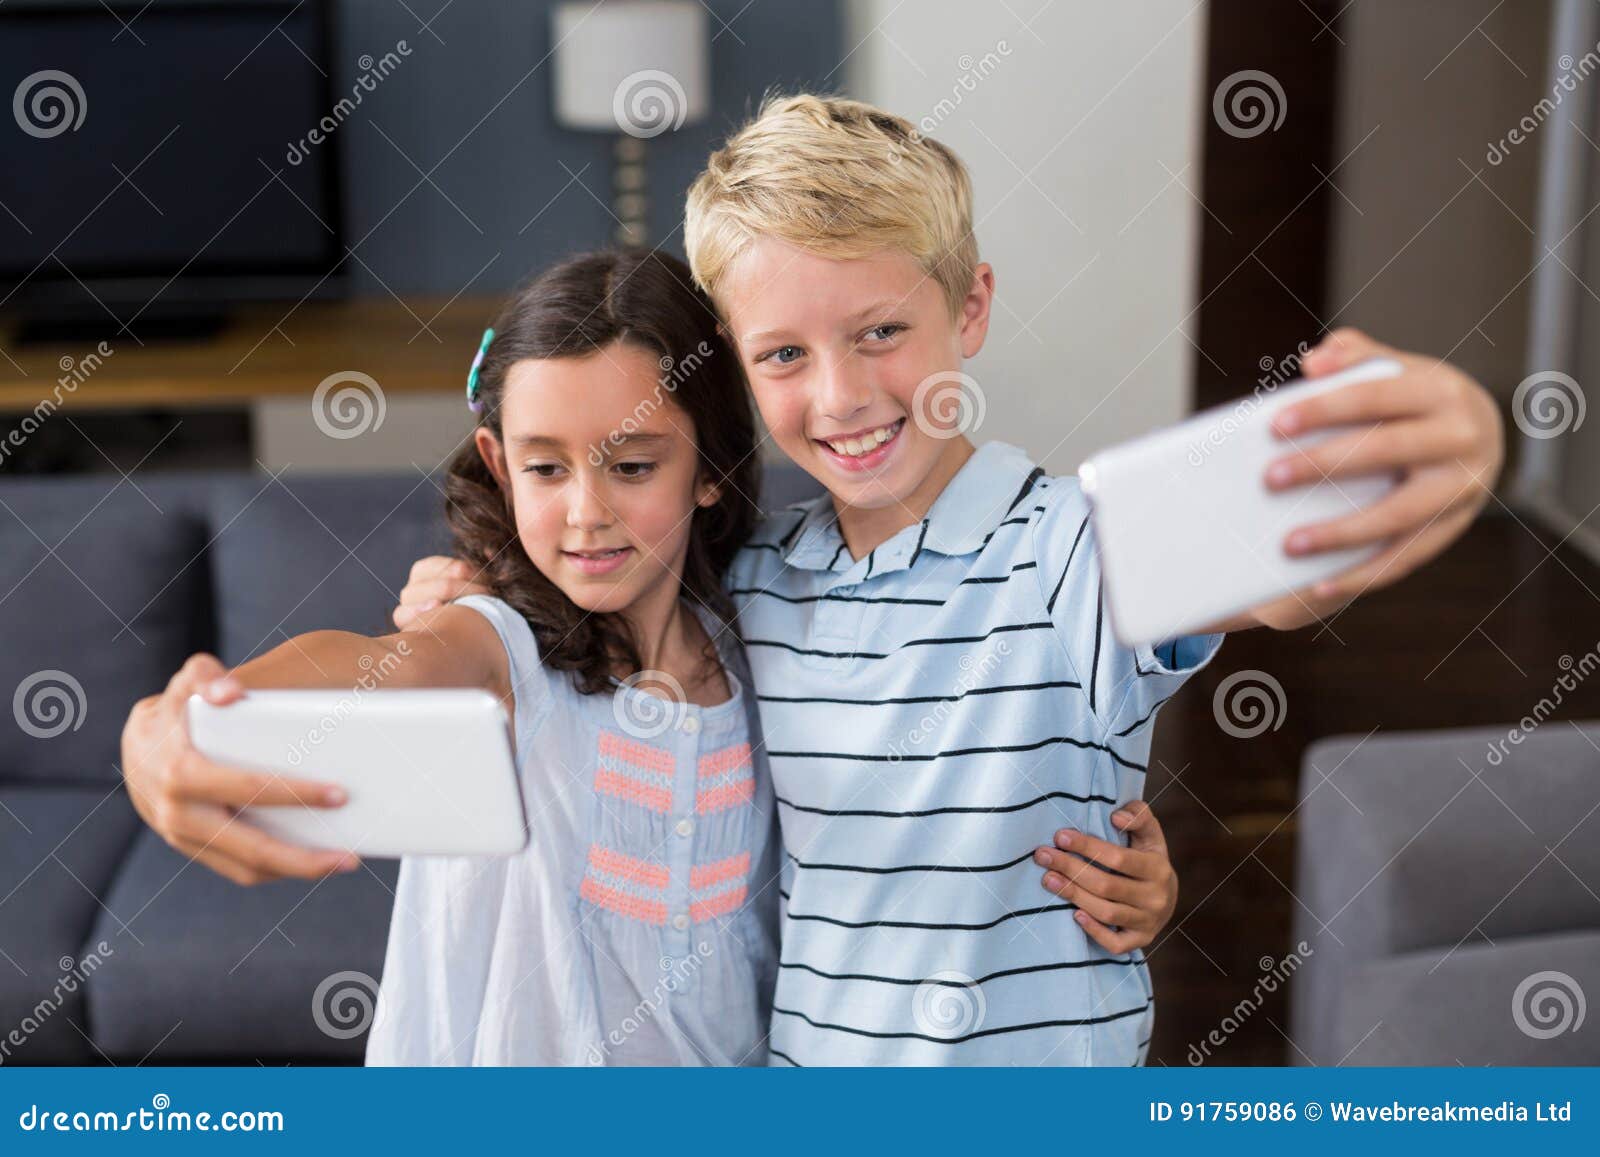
<point x="573" y="309"/>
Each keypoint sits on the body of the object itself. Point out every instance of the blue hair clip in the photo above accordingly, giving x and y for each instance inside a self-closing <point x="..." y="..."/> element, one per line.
<point x="473" y="403"/>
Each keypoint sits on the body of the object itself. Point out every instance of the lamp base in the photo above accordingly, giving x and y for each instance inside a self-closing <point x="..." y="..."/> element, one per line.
<point x="629" y="202"/>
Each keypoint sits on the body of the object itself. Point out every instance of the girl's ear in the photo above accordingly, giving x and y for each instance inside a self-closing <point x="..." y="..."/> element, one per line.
<point x="493" y="455"/>
<point x="708" y="493"/>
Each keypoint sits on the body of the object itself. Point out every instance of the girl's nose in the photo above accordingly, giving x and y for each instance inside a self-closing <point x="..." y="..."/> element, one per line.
<point x="587" y="509"/>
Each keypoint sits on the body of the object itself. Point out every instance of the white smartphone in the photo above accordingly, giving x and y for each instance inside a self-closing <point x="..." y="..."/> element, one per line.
<point x="427" y="771"/>
<point x="1189" y="532"/>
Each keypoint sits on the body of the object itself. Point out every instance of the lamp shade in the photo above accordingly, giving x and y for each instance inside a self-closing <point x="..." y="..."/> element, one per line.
<point x="642" y="67"/>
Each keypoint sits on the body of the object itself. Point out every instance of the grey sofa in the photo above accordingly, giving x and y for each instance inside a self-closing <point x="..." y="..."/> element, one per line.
<point x="1447" y="895"/>
<point x="113" y="947"/>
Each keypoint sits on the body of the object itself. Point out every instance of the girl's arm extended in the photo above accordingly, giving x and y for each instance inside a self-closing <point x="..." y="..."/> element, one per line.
<point x="449" y="647"/>
<point x="191" y="802"/>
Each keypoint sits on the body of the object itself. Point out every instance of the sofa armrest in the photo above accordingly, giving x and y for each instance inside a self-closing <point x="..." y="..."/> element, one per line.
<point x="1424" y="840"/>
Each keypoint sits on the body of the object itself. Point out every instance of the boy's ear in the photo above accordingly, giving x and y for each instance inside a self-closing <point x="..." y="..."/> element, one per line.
<point x="493" y="455"/>
<point x="974" y="320"/>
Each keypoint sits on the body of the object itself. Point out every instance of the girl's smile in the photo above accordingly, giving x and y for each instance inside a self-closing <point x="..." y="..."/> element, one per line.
<point x="598" y="562"/>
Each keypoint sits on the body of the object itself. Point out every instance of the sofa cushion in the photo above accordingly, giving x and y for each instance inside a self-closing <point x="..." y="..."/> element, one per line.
<point x="59" y="848"/>
<point x="304" y="553"/>
<point x="1522" y="1001"/>
<point x="103" y="593"/>
<point x="231" y="972"/>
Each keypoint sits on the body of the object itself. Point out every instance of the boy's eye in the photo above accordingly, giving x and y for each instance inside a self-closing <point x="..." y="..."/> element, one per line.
<point x="783" y="355"/>
<point x="635" y="469"/>
<point x="886" y="331"/>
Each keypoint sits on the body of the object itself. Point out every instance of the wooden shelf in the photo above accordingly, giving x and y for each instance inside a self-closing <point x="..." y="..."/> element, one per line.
<point x="423" y="345"/>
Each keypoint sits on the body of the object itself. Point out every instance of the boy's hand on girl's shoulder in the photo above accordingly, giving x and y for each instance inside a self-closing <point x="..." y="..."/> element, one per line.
<point x="434" y="581"/>
<point x="1433" y="426"/>
<point x="1125" y="895"/>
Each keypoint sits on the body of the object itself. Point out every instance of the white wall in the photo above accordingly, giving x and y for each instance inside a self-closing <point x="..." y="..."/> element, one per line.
<point x="1081" y="131"/>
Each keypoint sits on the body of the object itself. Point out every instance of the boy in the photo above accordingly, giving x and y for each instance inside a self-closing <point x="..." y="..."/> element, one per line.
<point x="959" y="585"/>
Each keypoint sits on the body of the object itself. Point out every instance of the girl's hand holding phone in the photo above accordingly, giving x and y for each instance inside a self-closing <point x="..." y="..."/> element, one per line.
<point x="191" y="801"/>
<point x="1125" y="895"/>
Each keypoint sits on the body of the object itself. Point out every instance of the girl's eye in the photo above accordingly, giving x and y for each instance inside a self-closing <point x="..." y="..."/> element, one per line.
<point x="635" y="469"/>
<point x="886" y="331"/>
<point x="542" y="469"/>
<point x="783" y="355"/>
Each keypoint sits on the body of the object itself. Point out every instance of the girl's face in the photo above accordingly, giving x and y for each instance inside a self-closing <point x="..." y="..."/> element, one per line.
<point x="603" y="473"/>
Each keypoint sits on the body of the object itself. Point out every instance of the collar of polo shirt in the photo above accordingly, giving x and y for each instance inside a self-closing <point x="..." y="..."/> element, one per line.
<point x="974" y="502"/>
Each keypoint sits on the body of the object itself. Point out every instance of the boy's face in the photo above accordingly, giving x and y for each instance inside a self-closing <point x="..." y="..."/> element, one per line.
<point x="835" y="350"/>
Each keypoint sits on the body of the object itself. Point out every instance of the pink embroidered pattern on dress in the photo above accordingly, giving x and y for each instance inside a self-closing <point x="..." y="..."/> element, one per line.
<point x="726" y="779"/>
<point x="634" y="771"/>
<point x="626" y="885"/>
<point x="719" y="887"/>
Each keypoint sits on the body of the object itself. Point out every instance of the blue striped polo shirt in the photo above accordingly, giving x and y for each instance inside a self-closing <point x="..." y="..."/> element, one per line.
<point x="933" y="713"/>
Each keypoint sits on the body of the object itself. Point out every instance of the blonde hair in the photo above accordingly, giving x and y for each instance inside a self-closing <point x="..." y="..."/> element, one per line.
<point x="841" y="179"/>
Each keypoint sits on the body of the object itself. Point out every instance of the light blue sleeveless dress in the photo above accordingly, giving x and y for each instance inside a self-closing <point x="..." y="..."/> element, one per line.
<point x="639" y="926"/>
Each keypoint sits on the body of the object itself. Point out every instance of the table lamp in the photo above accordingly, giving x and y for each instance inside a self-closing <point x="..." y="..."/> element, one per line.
<point x="635" y="68"/>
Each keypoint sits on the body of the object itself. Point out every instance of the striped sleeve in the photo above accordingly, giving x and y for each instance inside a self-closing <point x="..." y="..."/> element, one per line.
<point x="1124" y="685"/>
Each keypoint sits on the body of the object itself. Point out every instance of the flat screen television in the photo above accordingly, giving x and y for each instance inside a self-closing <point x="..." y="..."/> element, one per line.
<point x="144" y="170"/>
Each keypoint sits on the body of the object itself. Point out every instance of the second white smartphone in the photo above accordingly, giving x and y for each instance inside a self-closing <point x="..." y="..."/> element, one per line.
<point x="1188" y="531"/>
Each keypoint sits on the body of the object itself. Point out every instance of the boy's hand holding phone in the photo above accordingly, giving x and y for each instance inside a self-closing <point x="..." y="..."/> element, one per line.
<point x="1438" y="429"/>
<point x="1281" y="509"/>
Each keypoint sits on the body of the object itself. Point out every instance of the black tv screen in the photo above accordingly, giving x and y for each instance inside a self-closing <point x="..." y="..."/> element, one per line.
<point x="145" y="160"/>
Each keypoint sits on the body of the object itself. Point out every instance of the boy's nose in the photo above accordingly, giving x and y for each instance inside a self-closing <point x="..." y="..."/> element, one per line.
<point x="842" y="392"/>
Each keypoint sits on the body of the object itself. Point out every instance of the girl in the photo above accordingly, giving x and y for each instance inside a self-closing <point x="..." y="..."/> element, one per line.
<point x="610" y="482"/>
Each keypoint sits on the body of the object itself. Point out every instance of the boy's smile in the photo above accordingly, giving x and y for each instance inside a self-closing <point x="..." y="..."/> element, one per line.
<point x="864" y="449"/>
<point x="835" y="350"/>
